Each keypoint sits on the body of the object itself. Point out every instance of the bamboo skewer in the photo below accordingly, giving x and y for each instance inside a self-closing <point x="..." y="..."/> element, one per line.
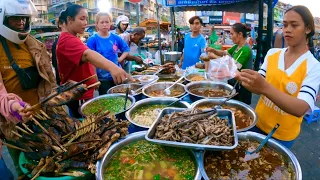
<point x="93" y="85"/>
<point x="44" y="114"/>
<point x="38" y="173"/>
<point x="14" y="147"/>
<point x="22" y="130"/>
<point x="82" y="142"/>
<point x="17" y="134"/>
<point x="53" y="138"/>
<point x="27" y="128"/>
<point x="97" y="120"/>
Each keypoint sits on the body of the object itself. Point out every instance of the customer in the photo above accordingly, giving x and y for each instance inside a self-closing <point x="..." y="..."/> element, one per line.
<point x="75" y="59"/>
<point x="122" y="23"/>
<point x="288" y="80"/>
<point x="194" y="44"/>
<point x="107" y="44"/>
<point x="242" y="53"/>
<point x="25" y="70"/>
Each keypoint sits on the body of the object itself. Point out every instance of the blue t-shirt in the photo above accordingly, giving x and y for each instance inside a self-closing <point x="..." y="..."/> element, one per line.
<point x="193" y="47"/>
<point x="108" y="47"/>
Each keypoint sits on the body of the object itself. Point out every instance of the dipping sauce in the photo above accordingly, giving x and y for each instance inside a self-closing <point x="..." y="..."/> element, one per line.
<point x="142" y="160"/>
<point x="112" y="104"/>
<point x="229" y="165"/>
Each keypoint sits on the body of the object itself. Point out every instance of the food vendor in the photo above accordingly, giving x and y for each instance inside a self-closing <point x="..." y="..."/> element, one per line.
<point x="288" y="80"/>
<point x="76" y="60"/>
<point x="107" y="44"/>
<point x="242" y="53"/>
<point x="26" y="75"/>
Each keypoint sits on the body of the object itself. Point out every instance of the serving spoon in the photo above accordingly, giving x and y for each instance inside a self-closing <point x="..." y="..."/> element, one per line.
<point x="167" y="90"/>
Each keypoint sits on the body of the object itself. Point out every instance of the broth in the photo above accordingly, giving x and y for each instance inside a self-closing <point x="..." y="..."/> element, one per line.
<point x="145" y="161"/>
<point x="230" y="165"/>
<point x="242" y="120"/>
<point x="112" y="104"/>
<point x="209" y="92"/>
<point x="161" y="93"/>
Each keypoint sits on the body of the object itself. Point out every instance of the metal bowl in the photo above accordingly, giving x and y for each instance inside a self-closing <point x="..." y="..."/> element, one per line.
<point x="144" y="79"/>
<point x="168" y="78"/>
<point x="119" y="115"/>
<point x="153" y="101"/>
<point x="162" y="86"/>
<point x="232" y="103"/>
<point x="288" y="155"/>
<point x="188" y="75"/>
<point x="207" y="84"/>
<point x="102" y="164"/>
<point x="133" y="87"/>
<point x="172" y="56"/>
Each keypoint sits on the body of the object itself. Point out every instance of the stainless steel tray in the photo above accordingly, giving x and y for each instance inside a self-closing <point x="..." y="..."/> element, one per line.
<point x="287" y="154"/>
<point x="102" y="164"/>
<point x="221" y="113"/>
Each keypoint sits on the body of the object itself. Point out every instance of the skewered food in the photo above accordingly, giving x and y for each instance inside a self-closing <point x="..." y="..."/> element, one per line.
<point x="59" y="144"/>
<point x="202" y="129"/>
<point x="231" y="164"/>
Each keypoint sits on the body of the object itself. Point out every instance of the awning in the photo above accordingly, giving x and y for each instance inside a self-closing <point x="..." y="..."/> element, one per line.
<point x="153" y="22"/>
<point x="241" y="6"/>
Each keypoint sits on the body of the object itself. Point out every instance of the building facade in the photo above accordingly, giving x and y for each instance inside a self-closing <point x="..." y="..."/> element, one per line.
<point x="42" y="8"/>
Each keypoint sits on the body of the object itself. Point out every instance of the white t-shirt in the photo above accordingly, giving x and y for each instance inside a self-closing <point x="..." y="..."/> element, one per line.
<point x="310" y="85"/>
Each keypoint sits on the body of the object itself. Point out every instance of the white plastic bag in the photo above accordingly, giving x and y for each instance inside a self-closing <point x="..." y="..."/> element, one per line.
<point x="222" y="69"/>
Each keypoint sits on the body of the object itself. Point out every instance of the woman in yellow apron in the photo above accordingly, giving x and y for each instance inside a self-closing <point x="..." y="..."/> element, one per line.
<point x="288" y="80"/>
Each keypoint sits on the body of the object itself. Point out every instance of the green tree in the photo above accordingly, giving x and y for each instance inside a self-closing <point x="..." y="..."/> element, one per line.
<point x="164" y="18"/>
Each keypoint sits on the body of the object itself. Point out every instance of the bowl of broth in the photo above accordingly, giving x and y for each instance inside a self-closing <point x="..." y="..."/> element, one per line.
<point x="274" y="161"/>
<point x="135" y="158"/>
<point x="108" y="102"/>
<point x="208" y="90"/>
<point x="157" y="90"/>
<point x="245" y="116"/>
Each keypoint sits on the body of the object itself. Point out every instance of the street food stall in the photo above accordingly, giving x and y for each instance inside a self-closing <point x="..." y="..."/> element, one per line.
<point x="166" y="124"/>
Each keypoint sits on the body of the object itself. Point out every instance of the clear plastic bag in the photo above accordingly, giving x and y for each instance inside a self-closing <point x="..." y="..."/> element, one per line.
<point x="222" y="69"/>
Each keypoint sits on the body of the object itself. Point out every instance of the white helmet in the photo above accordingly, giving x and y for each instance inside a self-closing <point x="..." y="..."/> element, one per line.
<point x="123" y="19"/>
<point x="24" y="8"/>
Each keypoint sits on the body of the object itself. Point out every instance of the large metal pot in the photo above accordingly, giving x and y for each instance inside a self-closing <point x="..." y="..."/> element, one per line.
<point x="123" y="88"/>
<point x="102" y="164"/>
<point x="248" y="110"/>
<point x="162" y="86"/>
<point x="119" y="115"/>
<point x="152" y="101"/>
<point x="206" y="84"/>
<point x="288" y="155"/>
<point x="172" y="56"/>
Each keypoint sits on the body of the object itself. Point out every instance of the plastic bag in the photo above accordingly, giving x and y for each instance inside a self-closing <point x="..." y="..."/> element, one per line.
<point x="222" y="69"/>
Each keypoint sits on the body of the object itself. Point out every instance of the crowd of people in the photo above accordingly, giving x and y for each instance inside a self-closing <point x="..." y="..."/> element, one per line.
<point x="288" y="81"/>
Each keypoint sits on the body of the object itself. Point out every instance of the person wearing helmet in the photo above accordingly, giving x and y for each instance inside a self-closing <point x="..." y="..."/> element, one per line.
<point x="26" y="73"/>
<point x="122" y="23"/>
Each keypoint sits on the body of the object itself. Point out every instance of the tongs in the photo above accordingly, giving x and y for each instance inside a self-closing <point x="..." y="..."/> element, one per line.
<point x="211" y="112"/>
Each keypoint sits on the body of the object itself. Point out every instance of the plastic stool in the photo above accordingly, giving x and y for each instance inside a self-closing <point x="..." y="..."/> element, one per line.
<point x="314" y="116"/>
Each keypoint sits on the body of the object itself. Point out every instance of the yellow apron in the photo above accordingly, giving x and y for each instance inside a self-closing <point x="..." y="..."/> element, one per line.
<point x="268" y="113"/>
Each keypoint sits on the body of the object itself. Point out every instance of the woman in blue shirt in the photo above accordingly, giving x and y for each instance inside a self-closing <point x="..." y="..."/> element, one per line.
<point x="108" y="45"/>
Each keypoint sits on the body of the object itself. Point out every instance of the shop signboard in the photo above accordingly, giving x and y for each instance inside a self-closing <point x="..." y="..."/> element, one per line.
<point x="200" y="2"/>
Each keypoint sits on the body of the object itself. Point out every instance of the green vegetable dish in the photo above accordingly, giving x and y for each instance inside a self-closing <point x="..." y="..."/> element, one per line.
<point x="112" y="104"/>
<point x="142" y="160"/>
